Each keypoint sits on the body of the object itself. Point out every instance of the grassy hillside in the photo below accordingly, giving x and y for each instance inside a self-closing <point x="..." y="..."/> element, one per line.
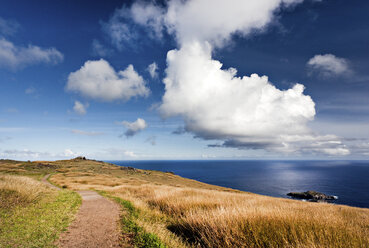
<point x="32" y="214"/>
<point x="187" y="213"/>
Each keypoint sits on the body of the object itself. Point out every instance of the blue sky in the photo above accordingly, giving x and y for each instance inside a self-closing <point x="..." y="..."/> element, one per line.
<point x="152" y="79"/>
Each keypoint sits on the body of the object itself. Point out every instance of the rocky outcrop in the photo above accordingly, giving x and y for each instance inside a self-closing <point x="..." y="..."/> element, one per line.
<point x="312" y="196"/>
<point x="128" y="168"/>
<point x="80" y="158"/>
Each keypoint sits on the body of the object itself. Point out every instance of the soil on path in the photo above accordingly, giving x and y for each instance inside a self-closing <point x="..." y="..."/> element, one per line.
<point x="45" y="181"/>
<point x="96" y="223"/>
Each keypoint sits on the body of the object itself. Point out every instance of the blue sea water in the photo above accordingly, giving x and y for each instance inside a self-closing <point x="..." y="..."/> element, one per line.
<point x="349" y="180"/>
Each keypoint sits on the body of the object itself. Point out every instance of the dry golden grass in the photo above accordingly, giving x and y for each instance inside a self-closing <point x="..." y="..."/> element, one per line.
<point x="19" y="190"/>
<point x="210" y="218"/>
<point x="207" y="217"/>
<point x="187" y="213"/>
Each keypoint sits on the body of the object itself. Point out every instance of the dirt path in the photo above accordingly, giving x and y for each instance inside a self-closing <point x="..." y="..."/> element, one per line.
<point x="45" y="181"/>
<point x="96" y="223"/>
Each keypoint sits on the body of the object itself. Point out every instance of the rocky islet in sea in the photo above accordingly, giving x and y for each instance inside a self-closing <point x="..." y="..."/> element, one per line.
<point x="312" y="196"/>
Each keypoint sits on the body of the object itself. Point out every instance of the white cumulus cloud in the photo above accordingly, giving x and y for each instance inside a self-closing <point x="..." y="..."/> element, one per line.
<point x="80" y="108"/>
<point x="118" y="31"/>
<point x="122" y="28"/>
<point x="329" y="65"/>
<point x="98" y="80"/>
<point x="134" y="127"/>
<point x="148" y="15"/>
<point x="14" y="57"/>
<point x="214" y="102"/>
<point x="217" y="103"/>
<point x="244" y="112"/>
<point x="194" y="20"/>
<point x="153" y="70"/>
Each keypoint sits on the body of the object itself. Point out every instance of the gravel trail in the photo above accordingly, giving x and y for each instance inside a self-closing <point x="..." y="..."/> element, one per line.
<point x="96" y="223"/>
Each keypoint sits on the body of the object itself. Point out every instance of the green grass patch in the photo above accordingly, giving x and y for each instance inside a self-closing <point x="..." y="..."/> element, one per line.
<point x="37" y="224"/>
<point x="141" y="238"/>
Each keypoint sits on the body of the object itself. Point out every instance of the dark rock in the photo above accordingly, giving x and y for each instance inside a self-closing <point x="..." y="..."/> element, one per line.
<point x="312" y="196"/>
<point x="80" y="158"/>
<point x="128" y="168"/>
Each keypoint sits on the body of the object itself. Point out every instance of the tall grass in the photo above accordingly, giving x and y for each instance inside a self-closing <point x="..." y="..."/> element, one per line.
<point x="210" y="218"/>
<point x="19" y="190"/>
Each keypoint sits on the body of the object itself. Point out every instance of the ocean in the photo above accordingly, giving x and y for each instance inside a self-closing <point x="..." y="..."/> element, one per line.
<point x="349" y="180"/>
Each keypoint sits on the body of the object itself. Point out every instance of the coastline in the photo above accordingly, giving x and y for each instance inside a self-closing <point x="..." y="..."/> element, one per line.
<point x="180" y="212"/>
<point x="274" y="178"/>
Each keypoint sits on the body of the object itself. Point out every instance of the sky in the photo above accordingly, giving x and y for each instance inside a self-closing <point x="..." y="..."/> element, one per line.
<point x="195" y="79"/>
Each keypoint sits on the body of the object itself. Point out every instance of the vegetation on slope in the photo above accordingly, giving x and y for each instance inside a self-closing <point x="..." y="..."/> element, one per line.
<point x="187" y="213"/>
<point x="31" y="214"/>
<point x="131" y="230"/>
